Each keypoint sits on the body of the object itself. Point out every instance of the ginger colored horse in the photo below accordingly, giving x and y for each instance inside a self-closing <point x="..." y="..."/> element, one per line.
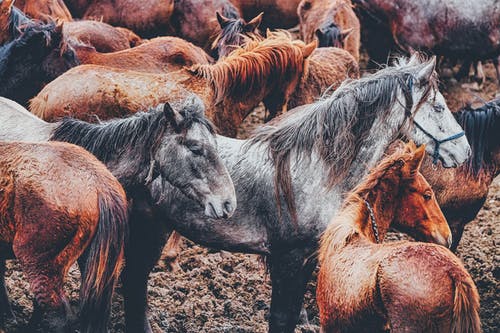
<point x="366" y="286"/>
<point x="333" y="23"/>
<point x="158" y="55"/>
<point x="45" y="10"/>
<point x="462" y="191"/>
<point x="57" y="201"/>
<point x="148" y="18"/>
<point x="267" y="70"/>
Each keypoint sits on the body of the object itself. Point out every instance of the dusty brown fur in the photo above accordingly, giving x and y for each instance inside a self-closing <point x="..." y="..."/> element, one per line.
<point x="45" y="10"/>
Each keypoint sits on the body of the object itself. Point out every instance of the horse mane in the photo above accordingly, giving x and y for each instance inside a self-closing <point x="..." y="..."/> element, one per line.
<point x="232" y="35"/>
<point x="336" y="127"/>
<point x="268" y="61"/>
<point x="481" y="127"/>
<point x="17" y="20"/>
<point x="345" y="225"/>
<point x="142" y="130"/>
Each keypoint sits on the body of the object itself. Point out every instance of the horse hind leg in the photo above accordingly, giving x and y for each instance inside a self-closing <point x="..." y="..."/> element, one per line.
<point x="5" y="307"/>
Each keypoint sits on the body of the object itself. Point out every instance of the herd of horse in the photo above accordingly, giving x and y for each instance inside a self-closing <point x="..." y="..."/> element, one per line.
<point x="111" y="144"/>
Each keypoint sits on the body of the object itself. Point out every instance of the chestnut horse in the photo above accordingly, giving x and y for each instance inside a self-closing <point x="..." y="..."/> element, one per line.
<point x="158" y="55"/>
<point x="57" y="201"/>
<point x="194" y="20"/>
<point x="44" y="10"/>
<point x="462" y="191"/>
<point x="148" y="18"/>
<point x="279" y="13"/>
<point x="333" y="23"/>
<point x="365" y="286"/>
<point x="266" y="70"/>
<point x="232" y="34"/>
<point x="469" y="30"/>
<point x="32" y="60"/>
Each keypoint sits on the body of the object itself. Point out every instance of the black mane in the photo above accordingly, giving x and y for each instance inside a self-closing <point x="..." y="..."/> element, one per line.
<point x="481" y="126"/>
<point x="17" y="20"/>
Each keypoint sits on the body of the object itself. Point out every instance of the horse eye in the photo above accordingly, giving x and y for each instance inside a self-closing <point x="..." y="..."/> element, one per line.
<point x="427" y="196"/>
<point x="438" y="108"/>
<point x="197" y="150"/>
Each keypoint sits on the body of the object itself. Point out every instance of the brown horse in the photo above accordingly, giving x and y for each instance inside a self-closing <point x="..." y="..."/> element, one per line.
<point x="462" y="191"/>
<point x="195" y="21"/>
<point x="267" y="70"/>
<point x="45" y="10"/>
<point x="232" y="33"/>
<point x="279" y="13"/>
<point x="364" y="286"/>
<point x="158" y="55"/>
<point x="148" y="18"/>
<point x="333" y="23"/>
<point x="57" y="201"/>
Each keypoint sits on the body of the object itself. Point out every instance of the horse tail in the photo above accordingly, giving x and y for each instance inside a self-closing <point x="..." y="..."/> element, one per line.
<point x="466" y="307"/>
<point x="103" y="262"/>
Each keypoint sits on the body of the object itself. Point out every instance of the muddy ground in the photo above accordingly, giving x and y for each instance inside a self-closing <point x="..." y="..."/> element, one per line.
<point x="224" y="292"/>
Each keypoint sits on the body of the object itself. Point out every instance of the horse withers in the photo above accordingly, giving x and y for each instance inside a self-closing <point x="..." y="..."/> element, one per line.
<point x="366" y="285"/>
<point x="57" y="201"/>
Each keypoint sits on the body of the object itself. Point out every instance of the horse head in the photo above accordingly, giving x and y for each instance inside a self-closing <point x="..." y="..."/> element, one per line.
<point x="329" y="34"/>
<point x="187" y="158"/>
<point x="433" y="122"/>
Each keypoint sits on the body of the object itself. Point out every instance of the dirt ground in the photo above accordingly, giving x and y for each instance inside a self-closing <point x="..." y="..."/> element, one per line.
<point x="223" y="292"/>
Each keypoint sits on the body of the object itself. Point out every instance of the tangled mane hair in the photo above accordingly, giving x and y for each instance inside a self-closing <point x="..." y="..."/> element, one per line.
<point x="232" y="36"/>
<point x="344" y="227"/>
<point x="268" y="62"/>
<point x="481" y="127"/>
<point x="336" y="127"/>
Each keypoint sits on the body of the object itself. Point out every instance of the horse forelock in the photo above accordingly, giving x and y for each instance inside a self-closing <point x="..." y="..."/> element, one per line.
<point x="259" y="64"/>
<point x="481" y="127"/>
<point x="335" y="128"/>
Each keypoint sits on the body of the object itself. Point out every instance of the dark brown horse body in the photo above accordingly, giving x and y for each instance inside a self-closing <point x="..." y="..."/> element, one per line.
<point x="333" y="23"/>
<point x="456" y="29"/>
<point x="267" y="70"/>
<point x="278" y="13"/>
<point x="401" y="286"/>
<point x="56" y="200"/>
<point x="148" y="18"/>
<point x="45" y="10"/>
<point x="158" y="55"/>
<point x="462" y="191"/>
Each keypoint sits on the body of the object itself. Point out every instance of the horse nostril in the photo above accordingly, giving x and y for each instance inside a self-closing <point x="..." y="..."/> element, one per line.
<point x="228" y="206"/>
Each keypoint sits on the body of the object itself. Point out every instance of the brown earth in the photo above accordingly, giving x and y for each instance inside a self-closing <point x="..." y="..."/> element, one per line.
<point x="224" y="292"/>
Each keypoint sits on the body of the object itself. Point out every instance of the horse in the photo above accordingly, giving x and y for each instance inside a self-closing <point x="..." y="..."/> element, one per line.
<point x="11" y="21"/>
<point x="158" y="55"/>
<point x="195" y="21"/>
<point x="46" y="10"/>
<point x="232" y="34"/>
<point x="266" y="70"/>
<point x="333" y="23"/>
<point x="57" y="201"/>
<point x="148" y="18"/>
<point x="32" y="60"/>
<point x="461" y="192"/>
<point x="279" y="13"/>
<point x="468" y="31"/>
<point x="290" y="176"/>
<point x="365" y="285"/>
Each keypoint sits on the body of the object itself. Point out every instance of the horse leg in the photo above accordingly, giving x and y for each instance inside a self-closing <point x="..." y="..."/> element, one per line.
<point x="478" y="73"/>
<point x="5" y="308"/>
<point x="457" y="231"/>
<point x="496" y="62"/>
<point x="464" y="70"/>
<point x="290" y="272"/>
<point x="141" y="254"/>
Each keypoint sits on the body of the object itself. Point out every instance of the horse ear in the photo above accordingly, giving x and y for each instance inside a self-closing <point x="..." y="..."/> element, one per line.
<point x="254" y="23"/>
<point x="415" y="163"/>
<point x="345" y="33"/>
<point x="223" y="21"/>
<point x="309" y="48"/>
<point x="424" y="74"/>
<point x="173" y="116"/>
<point x="6" y="5"/>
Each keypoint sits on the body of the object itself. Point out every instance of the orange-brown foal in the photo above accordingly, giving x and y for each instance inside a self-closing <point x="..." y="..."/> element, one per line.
<point x="403" y="286"/>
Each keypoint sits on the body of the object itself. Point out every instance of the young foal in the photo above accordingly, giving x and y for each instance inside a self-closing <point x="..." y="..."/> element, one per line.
<point x="403" y="286"/>
<point x="56" y="200"/>
<point x="266" y="70"/>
